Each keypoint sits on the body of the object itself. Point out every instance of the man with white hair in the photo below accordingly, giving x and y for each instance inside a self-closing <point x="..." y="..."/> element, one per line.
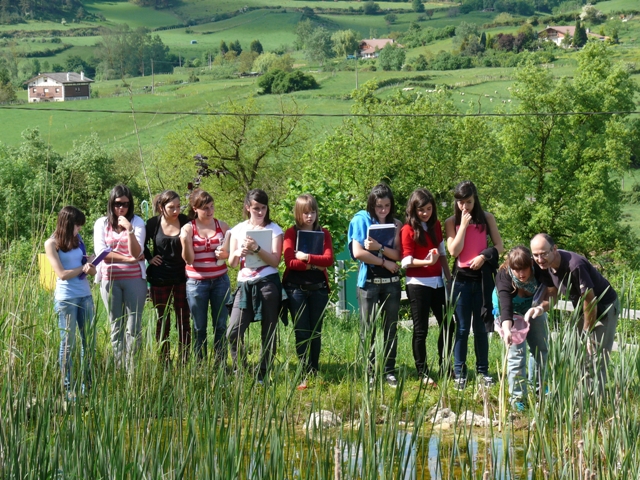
<point x="572" y="274"/>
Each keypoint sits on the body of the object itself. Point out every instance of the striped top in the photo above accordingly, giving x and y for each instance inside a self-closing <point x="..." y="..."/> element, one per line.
<point x="119" y="243"/>
<point x="205" y="265"/>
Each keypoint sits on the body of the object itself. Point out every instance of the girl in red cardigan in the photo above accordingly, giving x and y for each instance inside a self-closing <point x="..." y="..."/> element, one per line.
<point x="307" y="285"/>
<point x="423" y="255"/>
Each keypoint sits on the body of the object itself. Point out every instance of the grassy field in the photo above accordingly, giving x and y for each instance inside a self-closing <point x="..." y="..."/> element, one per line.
<point x="133" y="15"/>
<point x="272" y="28"/>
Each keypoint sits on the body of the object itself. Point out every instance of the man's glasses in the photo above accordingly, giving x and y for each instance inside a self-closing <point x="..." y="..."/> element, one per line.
<point x="542" y="254"/>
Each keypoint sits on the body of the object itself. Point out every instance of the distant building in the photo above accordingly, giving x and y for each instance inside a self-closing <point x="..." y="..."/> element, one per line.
<point x="59" y="87"/>
<point x="370" y="48"/>
<point x="556" y="34"/>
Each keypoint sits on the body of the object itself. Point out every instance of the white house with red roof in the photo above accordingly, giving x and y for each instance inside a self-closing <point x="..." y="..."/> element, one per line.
<point x="59" y="87"/>
<point x="556" y="34"/>
<point x="369" y="48"/>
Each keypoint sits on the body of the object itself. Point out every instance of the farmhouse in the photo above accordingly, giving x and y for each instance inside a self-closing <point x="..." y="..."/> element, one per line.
<point x="59" y="87"/>
<point x="370" y="48"/>
<point x="556" y="34"/>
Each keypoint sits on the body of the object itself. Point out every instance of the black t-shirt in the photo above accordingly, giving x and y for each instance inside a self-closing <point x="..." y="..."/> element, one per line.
<point x="172" y="269"/>
<point x="576" y="273"/>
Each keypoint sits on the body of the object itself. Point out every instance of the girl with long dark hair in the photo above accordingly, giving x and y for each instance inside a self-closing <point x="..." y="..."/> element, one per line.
<point x="307" y="284"/>
<point x="468" y="231"/>
<point x="425" y="259"/>
<point x="378" y="279"/>
<point x="73" y="301"/>
<point x="259" y="292"/>
<point x="166" y="271"/>
<point x="122" y="274"/>
<point x="208" y="282"/>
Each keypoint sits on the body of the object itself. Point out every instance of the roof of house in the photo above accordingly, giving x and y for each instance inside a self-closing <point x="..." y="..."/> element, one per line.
<point x="570" y="30"/>
<point x="63" y="77"/>
<point x="370" y="45"/>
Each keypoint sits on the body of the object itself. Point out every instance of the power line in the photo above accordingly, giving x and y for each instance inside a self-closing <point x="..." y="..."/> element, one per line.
<point x="237" y="114"/>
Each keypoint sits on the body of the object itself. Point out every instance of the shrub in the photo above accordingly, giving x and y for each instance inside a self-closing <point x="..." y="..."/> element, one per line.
<point x="279" y="81"/>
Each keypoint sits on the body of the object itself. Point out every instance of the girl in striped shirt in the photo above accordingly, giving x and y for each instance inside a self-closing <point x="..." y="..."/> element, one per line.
<point x="122" y="274"/>
<point x="207" y="280"/>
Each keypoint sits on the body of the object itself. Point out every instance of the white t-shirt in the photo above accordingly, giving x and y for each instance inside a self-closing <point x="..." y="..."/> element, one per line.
<point x="239" y="233"/>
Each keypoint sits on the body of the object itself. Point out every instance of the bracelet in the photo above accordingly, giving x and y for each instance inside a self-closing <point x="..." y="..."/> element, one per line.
<point x="382" y="264"/>
<point x="130" y="231"/>
<point x="257" y="249"/>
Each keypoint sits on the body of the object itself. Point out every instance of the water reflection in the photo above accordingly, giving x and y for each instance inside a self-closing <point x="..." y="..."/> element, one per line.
<point x="436" y="457"/>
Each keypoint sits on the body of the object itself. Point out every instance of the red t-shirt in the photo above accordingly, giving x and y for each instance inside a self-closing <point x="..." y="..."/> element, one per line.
<point x="410" y="248"/>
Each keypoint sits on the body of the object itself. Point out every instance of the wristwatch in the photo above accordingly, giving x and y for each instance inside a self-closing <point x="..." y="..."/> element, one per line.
<point x="313" y="267"/>
<point x="257" y="249"/>
<point x="381" y="250"/>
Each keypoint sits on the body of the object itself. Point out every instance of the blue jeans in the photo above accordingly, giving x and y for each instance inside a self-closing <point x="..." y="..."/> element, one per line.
<point x="537" y="339"/>
<point x="307" y="309"/>
<point x="202" y="294"/>
<point x="380" y="300"/>
<point x="468" y="297"/>
<point x="72" y="313"/>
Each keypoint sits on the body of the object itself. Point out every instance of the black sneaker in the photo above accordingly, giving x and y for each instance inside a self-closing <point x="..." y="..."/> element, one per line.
<point x="391" y="380"/>
<point x="460" y="383"/>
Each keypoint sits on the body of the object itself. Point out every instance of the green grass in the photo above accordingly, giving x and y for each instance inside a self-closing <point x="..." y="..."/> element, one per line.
<point x="200" y="421"/>
<point x="273" y="29"/>
<point x="617" y="5"/>
<point x="133" y="15"/>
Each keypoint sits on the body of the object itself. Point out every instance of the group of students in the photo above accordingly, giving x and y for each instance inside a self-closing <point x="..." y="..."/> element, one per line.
<point x="188" y="257"/>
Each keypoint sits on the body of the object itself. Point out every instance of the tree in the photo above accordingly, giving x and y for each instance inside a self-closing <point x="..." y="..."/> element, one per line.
<point x="421" y="63"/>
<point x="246" y="60"/>
<point x="418" y="6"/>
<point x="592" y="15"/>
<point x="223" y="48"/>
<point x="244" y="151"/>
<point x="565" y="170"/>
<point x="390" y="18"/>
<point x="580" y="35"/>
<point x="405" y="151"/>
<point x="371" y="8"/>
<point x="279" y="82"/>
<point x="7" y="92"/>
<point x="235" y="47"/>
<point x="256" y="47"/>
<point x="345" y="42"/>
<point x="319" y="46"/>
<point x="391" y="57"/>
<point x="429" y="13"/>
<point x="303" y="32"/>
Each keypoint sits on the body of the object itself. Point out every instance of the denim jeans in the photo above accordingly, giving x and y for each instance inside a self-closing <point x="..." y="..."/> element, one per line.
<point x="468" y="297"/>
<point x="124" y="301"/>
<point x="72" y="313"/>
<point x="307" y="309"/>
<point x="423" y="299"/>
<point x="202" y="295"/>
<point x="537" y="339"/>
<point x="380" y="300"/>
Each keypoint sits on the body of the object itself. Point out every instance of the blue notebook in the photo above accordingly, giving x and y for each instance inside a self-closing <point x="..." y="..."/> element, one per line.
<point x="383" y="233"/>
<point x="310" y="241"/>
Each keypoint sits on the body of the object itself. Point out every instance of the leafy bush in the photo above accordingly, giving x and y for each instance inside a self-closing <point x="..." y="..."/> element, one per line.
<point x="279" y="81"/>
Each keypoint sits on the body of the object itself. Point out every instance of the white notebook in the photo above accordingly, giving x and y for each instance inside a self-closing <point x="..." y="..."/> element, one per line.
<point x="263" y="238"/>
